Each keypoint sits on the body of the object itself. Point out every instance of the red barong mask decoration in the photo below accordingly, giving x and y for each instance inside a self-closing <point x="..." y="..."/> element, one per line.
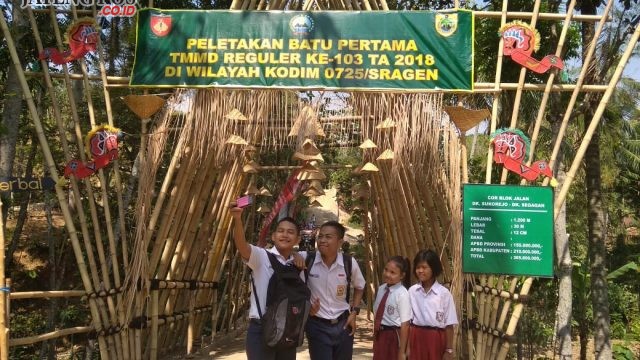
<point x="102" y="146"/>
<point x="519" y="41"/>
<point x="510" y="148"/>
<point x="82" y="37"/>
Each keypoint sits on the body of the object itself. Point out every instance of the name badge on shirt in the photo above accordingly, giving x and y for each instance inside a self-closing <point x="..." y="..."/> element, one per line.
<point x="340" y="291"/>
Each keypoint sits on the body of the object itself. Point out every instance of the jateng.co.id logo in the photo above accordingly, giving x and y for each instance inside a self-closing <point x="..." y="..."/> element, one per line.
<point x="124" y="8"/>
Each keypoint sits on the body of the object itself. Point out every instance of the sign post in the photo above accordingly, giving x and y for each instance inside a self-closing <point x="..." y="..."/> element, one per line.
<point x="371" y="50"/>
<point x="508" y="229"/>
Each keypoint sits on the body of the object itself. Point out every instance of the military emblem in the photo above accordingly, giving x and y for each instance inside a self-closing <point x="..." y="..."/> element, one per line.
<point x="160" y="24"/>
<point x="446" y="24"/>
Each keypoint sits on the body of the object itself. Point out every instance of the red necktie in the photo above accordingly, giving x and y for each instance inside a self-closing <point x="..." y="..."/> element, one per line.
<point x="377" y="323"/>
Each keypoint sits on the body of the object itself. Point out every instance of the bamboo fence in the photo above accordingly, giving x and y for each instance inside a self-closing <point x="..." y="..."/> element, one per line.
<point x="153" y="291"/>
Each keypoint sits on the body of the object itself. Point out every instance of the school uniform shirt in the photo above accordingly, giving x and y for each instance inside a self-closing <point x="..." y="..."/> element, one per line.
<point x="398" y="307"/>
<point x="329" y="284"/>
<point x="435" y="308"/>
<point x="261" y="272"/>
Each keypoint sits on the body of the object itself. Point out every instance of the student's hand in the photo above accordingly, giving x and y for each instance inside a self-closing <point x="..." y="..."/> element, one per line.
<point x="447" y="355"/>
<point x="298" y="261"/>
<point x="351" y="321"/>
<point x="315" y="306"/>
<point x="402" y="355"/>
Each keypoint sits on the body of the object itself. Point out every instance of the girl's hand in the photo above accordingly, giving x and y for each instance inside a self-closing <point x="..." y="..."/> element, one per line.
<point x="447" y="355"/>
<point x="402" y="356"/>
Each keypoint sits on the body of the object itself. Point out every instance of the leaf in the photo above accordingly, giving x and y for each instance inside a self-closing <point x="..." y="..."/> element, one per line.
<point x="623" y="270"/>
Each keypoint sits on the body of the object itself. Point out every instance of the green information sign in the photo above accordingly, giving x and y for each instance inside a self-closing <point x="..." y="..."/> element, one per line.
<point x="508" y="229"/>
<point x="374" y="50"/>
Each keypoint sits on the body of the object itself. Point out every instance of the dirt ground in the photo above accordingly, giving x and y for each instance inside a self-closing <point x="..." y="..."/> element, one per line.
<point x="232" y="347"/>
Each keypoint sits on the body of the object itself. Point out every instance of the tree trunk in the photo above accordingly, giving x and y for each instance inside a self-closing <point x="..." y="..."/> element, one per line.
<point x="597" y="252"/>
<point x="596" y="215"/>
<point x="12" y="105"/>
<point x="564" y="348"/>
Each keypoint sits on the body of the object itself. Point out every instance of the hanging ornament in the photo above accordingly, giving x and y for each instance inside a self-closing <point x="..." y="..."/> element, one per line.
<point x="510" y="148"/>
<point x="519" y="41"/>
<point x="102" y="147"/>
<point x="82" y="37"/>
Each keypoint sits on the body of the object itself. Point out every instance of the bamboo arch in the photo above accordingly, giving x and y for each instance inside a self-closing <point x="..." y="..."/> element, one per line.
<point x="154" y="290"/>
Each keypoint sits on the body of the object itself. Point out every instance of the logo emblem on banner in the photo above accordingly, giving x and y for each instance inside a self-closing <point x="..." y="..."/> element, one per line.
<point x="160" y="24"/>
<point x="301" y="25"/>
<point x="446" y="24"/>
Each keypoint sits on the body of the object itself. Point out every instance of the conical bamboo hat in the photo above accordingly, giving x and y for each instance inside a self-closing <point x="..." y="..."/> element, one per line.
<point x="264" y="209"/>
<point x="313" y="192"/>
<point x="310" y="172"/>
<point x="306" y="115"/>
<point x="315" y="203"/>
<point x="368" y="144"/>
<point x="251" y="167"/>
<point x="264" y="192"/>
<point x="144" y="105"/>
<point x="308" y="152"/>
<point x="236" y="140"/>
<point x="466" y="119"/>
<point x="388" y="123"/>
<point x="251" y="190"/>
<point x="235" y="114"/>
<point x="386" y="155"/>
<point x="369" y="167"/>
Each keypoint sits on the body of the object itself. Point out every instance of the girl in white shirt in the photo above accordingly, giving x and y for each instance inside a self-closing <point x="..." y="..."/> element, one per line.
<point x="434" y="312"/>
<point x="392" y="312"/>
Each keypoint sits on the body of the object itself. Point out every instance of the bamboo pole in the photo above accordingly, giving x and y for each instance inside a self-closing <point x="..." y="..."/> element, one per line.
<point x="577" y="161"/>
<point x="516" y="103"/>
<point x="515" y="316"/>
<point x="574" y="96"/>
<point x="51" y="167"/>
<point x="46" y="294"/>
<point x="153" y="355"/>
<point x="4" y="315"/>
<point x="30" y="340"/>
<point x="547" y="89"/>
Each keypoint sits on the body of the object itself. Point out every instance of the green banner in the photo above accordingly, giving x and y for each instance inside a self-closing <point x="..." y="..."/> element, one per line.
<point x="508" y="229"/>
<point x="375" y="50"/>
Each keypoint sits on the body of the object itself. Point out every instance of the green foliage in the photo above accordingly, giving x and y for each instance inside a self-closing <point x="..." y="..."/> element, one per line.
<point x="623" y="352"/>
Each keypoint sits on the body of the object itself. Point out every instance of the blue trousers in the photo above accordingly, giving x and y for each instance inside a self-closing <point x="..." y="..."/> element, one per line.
<point x="257" y="350"/>
<point x="329" y="342"/>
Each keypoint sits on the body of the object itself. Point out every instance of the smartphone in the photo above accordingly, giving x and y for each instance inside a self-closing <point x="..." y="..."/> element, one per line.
<point x="244" y="201"/>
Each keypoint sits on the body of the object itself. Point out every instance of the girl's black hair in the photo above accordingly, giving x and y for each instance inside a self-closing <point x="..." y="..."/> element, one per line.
<point x="403" y="264"/>
<point x="431" y="258"/>
<point x="289" y="219"/>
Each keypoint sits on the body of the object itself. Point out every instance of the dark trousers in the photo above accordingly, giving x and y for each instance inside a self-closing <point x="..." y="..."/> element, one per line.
<point x="257" y="350"/>
<point x="329" y="341"/>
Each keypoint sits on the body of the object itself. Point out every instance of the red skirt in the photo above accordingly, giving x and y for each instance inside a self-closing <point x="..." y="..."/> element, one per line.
<point x="426" y="344"/>
<point x="386" y="345"/>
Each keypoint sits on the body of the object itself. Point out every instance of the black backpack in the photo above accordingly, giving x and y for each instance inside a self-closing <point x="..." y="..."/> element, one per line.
<point x="346" y="259"/>
<point x="288" y="305"/>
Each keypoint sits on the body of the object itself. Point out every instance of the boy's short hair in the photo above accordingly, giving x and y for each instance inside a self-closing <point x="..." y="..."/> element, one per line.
<point x="336" y="225"/>
<point x="291" y="220"/>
